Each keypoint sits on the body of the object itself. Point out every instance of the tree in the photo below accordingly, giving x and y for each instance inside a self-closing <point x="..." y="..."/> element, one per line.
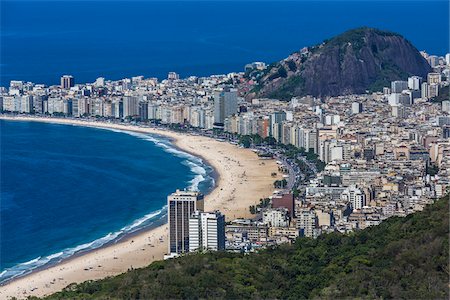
<point x="270" y="140"/>
<point x="245" y="140"/>
<point x="402" y="258"/>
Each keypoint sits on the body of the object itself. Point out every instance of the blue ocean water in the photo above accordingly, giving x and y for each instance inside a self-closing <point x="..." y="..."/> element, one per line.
<point x="40" y="41"/>
<point x="66" y="189"/>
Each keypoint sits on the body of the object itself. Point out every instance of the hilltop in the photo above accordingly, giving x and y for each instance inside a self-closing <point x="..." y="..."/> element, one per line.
<point x="353" y="62"/>
<point x="401" y="258"/>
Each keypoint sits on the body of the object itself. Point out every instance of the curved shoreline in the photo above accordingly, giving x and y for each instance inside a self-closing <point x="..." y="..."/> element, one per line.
<point x="242" y="179"/>
<point x="152" y="223"/>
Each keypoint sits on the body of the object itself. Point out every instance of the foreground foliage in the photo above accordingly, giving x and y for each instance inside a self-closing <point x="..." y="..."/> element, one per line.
<point x="401" y="258"/>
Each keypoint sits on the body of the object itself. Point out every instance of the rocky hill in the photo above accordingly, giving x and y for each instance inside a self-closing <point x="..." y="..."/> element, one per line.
<point x="353" y="62"/>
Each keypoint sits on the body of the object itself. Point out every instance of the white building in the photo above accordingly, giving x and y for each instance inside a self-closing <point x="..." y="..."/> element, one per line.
<point x="206" y="231"/>
<point x="356" y="108"/>
<point x="414" y="82"/>
<point x="446" y="106"/>
<point x="424" y="93"/>
<point x="276" y="217"/>
<point x="355" y="196"/>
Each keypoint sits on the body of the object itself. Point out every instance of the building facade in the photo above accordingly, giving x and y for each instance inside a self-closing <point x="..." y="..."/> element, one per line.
<point x="181" y="205"/>
<point x="206" y="231"/>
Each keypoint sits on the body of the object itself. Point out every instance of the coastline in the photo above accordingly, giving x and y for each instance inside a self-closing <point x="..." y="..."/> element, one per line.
<point x="241" y="180"/>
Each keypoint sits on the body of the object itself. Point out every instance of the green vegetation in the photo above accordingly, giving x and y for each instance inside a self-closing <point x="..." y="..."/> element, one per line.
<point x="389" y="72"/>
<point x="256" y="88"/>
<point x="292" y="66"/>
<point x="294" y="85"/>
<point x="355" y="37"/>
<point x="248" y="140"/>
<point x="432" y="170"/>
<point x="280" y="184"/>
<point x="266" y="155"/>
<point x="282" y="72"/>
<point x="290" y="151"/>
<point x="403" y="258"/>
<point x="270" y="140"/>
<point x="263" y="203"/>
<point x="360" y="49"/>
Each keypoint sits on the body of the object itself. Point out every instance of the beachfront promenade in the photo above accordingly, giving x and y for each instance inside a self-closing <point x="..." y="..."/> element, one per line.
<point x="242" y="180"/>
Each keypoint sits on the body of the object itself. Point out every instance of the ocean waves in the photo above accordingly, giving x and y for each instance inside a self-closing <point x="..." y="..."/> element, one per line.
<point x="200" y="177"/>
<point x="39" y="262"/>
<point x="202" y="173"/>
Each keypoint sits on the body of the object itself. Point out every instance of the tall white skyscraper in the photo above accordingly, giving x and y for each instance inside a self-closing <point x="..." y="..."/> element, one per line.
<point x="357" y="108"/>
<point x="225" y="105"/>
<point x="414" y="82"/>
<point x="181" y="206"/>
<point x="206" y="231"/>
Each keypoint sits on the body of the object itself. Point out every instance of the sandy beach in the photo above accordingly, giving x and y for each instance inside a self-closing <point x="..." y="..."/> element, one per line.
<point x="242" y="180"/>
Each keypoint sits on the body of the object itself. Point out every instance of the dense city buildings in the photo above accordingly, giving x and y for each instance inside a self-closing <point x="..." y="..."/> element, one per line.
<point x="349" y="162"/>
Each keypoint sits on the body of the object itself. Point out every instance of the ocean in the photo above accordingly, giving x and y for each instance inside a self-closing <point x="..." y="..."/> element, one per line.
<point x="66" y="189"/>
<point x="40" y="41"/>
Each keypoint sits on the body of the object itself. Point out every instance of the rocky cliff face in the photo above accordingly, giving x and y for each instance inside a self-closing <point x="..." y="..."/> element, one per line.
<point x="353" y="62"/>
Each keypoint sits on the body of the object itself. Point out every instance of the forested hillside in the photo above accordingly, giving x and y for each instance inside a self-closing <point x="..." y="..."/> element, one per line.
<point x="401" y="258"/>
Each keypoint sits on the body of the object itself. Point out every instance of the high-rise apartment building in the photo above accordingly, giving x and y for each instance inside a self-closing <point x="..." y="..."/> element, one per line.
<point x="306" y="222"/>
<point x="181" y="205"/>
<point x="424" y="93"/>
<point x="414" y="82"/>
<point x="130" y="106"/>
<point x="398" y="86"/>
<point x="225" y="105"/>
<point x="26" y="104"/>
<point x="67" y="81"/>
<point x="434" y="78"/>
<point x="206" y="231"/>
<point x="276" y="121"/>
<point x="357" y="108"/>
